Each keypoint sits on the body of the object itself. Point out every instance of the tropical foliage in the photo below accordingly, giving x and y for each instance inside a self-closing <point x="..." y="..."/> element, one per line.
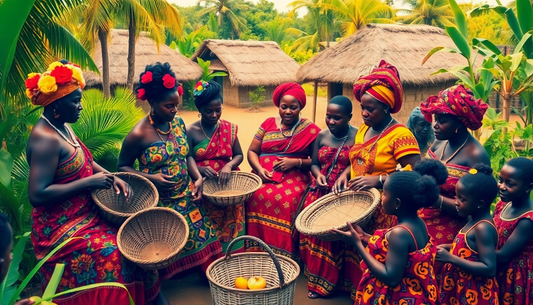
<point x="430" y="12"/>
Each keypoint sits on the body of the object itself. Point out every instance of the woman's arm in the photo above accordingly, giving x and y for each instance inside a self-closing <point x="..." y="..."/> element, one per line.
<point x="516" y="243"/>
<point x="315" y="163"/>
<point x="237" y="158"/>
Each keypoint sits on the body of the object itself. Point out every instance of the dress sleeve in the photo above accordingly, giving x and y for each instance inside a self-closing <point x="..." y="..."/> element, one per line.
<point x="261" y="131"/>
<point x="404" y="144"/>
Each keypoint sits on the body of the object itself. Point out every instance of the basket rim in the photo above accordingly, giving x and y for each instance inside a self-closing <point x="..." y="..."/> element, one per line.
<point x="321" y="201"/>
<point x="121" y="214"/>
<point x="250" y="175"/>
<point x="248" y="291"/>
<point x="144" y="262"/>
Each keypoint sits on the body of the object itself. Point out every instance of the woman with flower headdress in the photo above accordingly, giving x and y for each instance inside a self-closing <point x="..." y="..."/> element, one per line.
<point x="455" y="110"/>
<point x="62" y="173"/>
<point x="159" y="143"/>
<point x="381" y="144"/>
<point x="279" y="154"/>
<point x="217" y="151"/>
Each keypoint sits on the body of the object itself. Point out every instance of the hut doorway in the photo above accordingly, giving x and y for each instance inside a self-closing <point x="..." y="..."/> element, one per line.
<point x="334" y="89"/>
<point x="220" y="81"/>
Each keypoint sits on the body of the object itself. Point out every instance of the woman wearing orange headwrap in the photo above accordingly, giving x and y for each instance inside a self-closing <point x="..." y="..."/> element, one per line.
<point x="380" y="145"/>
<point x="279" y="154"/>
<point x="62" y="173"/>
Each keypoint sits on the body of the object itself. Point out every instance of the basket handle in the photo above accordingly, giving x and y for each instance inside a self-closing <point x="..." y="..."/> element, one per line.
<point x="266" y="248"/>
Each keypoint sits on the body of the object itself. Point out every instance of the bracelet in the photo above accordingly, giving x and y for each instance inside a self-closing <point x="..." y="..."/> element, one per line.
<point x="441" y="201"/>
<point x="300" y="162"/>
<point x="381" y="179"/>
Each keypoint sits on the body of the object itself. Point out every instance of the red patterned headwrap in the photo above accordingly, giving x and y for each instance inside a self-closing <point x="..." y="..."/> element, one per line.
<point x="292" y="89"/>
<point x="382" y="84"/>
<point x="457" y="101"/>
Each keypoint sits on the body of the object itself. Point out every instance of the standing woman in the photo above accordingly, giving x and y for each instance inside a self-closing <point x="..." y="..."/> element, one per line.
<point x="62" y="174"/>
<point x="279" y="154"/>
<point x="421" y="129"/>
<point x="324" y="260"/>
<point x="159" y="143"/>
<point x="217" y="151"/>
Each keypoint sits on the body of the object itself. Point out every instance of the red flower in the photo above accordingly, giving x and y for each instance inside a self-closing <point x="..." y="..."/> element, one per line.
<point x="32" y="81"/>
<point x="168" y="81"/>
<point x="146" y="77"/>
<point x="62" y="74"/>
<point x="141" y="94"/>
<point x="199" y="83"/>
<point x="180" y="90"/>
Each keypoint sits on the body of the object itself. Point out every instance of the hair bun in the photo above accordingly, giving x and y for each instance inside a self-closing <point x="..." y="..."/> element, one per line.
<point x="483" y="168"/>
<point x="432" y="168"/>
<point x="210" y="91"/>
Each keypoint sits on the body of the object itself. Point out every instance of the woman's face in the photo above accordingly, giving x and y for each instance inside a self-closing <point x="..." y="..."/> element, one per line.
<point x="446" y="126"/>
<point x="211" y="112"/>
<point x="336" y="118"/>
<point x="422" y="127"/>
<point x="511" y="184"/>
<point x="69" y="107"/>
<point x="289" y="110"/>
<point x="372" y="110"/>
<point x="166" y="109"/>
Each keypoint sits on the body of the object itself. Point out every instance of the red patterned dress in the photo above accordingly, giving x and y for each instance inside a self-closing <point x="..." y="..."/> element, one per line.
<point x="95" y="257"/>
<point x="516" y="279"/>
<point x="460" y="288"/>
<point x="324" y="259"/>
<point x="215" y="153"/>
<point x="418" y="286"/>
<point x="271" y="211"/>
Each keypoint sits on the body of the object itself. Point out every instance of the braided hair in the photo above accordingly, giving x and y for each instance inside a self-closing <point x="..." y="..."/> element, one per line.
<point x="419" y="188"/>
<point x="343" y="102"/>
<point x="210" y="92"/>
<point x="156" y="83"/>
<point x="524" y="167"/>
<point x="479" y="180"/>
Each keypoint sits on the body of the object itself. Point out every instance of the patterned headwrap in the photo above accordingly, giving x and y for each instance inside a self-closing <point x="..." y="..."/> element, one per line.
<point x="61" y="79"/>
<point x="383" y="84"/>
<point x="458" y="101"/>
<point x="411" y="124"/>
<point x="292" y="89"/>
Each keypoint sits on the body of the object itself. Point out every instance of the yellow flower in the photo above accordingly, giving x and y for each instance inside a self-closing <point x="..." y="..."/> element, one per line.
<point x="55" y="64"/>
<point x="77" y="75"/>
<point x="199" y="88"/>
<point x="28" y="93"/>
<point x="47" y="84"/>
<point x="472" y="171"/>
<point x="31" y="75"/>
<point x="407" y="168"/>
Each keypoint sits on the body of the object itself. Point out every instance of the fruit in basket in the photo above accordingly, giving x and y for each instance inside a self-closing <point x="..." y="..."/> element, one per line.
<point x="256" y="282"/>
<point x="241" y="283"/>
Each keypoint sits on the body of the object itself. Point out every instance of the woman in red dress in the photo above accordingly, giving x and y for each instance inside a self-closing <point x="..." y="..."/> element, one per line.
<point x="324" y="260"/>
<point x="279" y="154"/>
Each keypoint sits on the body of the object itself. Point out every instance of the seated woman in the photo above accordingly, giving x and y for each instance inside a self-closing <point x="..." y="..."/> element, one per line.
<point x="62" y="173"/>
<point x="456" y="110"/>
<point x="159" y="143"/>
<point x="421" y="129"/>
<point x="217" y="151"/>
<point x="279" y="154"/>
<point x="324" y="260"/>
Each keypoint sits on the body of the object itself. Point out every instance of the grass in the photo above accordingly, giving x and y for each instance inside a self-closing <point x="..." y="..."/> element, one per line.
<point x="309" y="88"/>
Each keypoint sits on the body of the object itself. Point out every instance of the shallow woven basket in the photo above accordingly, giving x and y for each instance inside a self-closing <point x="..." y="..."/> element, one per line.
<point x="333" y="211"/>
<point x="153" y="238"/>
<point x="279" y="272"/>
<point x="240" y="187"/>
<point x="115" y="209"/>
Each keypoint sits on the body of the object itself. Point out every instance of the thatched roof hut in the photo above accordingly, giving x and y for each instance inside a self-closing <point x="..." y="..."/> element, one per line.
<point x="404" y="46"/>
<point x="146" y="52"/>
<point x="249" y="64"/>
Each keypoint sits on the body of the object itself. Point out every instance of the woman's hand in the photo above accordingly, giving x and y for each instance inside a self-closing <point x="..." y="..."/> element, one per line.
<point x="101" y="180"/>
<point x="350" y="237"/>
<point x="224" y="175"/>
<point x="121" y="185"/>
<point x="284" y="164"/>
<point x="340" y="185"/>
<point x="443" y="255"/>
<point x="321" y="181"/>
<point x="364" y="183"/>
<point x="163" y="182"/>
<point x="362" y="234"/>
<point x="207" y="171"/>
<point x="198" y="189"/>
<point x="265" y="175"/>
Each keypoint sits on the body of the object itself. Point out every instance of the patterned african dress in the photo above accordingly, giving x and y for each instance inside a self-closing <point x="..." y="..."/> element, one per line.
<point x="170" y="158"/>
<point x="94" y="257"/>
<point x="458" y="287"/>
<point x="515" y="279"/>
<point x="271" y="211"/>
<point x="441" y="227"/>
<point x="215" y="153"/>
<point x="324" y="259"/>
<point x="374" y="157"/>
<point x="418" y="285"/>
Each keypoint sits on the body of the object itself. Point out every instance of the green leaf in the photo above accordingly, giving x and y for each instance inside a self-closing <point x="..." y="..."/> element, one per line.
<point x="486" y="43"/>
<point x="516" y="59"/>
<point x="6" y="166"/>
<point x="87" y="287"/>
<point x="525" y="15"/>
<point x="513" y="23"/>
<point x="437" y="49"/>
<point x="54" y="281"/>
<point x="485" y="8"/>
<point x="467" y="82"/>
<point x="459" y="40"/>
<point x="522" y="42"/>
<point x="460" y="19"/>
<point x="528" y="67"/>
<point x="440" y="71"/>
<point x="8" y="288"/>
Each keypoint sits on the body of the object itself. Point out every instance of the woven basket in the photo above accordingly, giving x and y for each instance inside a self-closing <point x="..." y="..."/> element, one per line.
<point x="332" y="211"/>
<point x="115" y="209"/>
<point x="240" y="187"/>
<point x="153" y="238"/>
<point x="279" y="272"/>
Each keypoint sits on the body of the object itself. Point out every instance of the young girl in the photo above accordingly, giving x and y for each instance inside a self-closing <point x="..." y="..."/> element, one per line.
<point x="514" y="221"/>
<point x="398" y="263"/>
<point x="468" y="276"/>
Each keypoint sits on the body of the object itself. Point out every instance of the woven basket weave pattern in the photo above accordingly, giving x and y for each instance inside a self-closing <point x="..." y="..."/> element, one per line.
<point x="246" y="183"/>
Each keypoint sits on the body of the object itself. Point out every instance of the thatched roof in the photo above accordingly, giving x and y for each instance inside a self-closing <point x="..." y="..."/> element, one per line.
<point x="249" y="63"/>
<point x="404" y="46"/>
<point x="145" y="53"/>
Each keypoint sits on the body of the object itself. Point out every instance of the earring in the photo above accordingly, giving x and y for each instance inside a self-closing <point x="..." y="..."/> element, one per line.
<point x="457" y="130"/>
<point x="56" y="115"/>
<point x="152" y="111"/>
<point x="199" y="115"/>
<point x="386" y="111"/>
<point x="397" y="208"/>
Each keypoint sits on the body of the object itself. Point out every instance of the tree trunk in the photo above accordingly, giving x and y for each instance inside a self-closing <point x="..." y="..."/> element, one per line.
<point x="131" y="51"/>
<point x="506" y="110"/>
<point x="102" y="36"/>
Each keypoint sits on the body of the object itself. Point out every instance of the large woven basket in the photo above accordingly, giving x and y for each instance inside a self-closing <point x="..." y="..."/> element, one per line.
<point x="239" y="188"/>
<point x="115" y="209"/>
<point x="333" y="211"/>
<point x="279" y="272"/>
<point x="153" y="238"/>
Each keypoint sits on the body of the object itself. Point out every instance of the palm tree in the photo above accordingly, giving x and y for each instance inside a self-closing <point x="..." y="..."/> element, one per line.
<point x="277" y="29"/>
<point x="322" y="18"/>
<point x="430" y="12"/>
<point x="225" y="11"/>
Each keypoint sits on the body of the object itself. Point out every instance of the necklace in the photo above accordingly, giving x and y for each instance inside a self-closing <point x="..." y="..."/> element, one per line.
<point x="74" y="144"/>
<point x="345" y="137"/>
<point x="361" y="161"/>
<point x="159" y="131"/>
<point x="454" y="154"/>
<point x="292" y="129"/>
<point x="205" y="134"/>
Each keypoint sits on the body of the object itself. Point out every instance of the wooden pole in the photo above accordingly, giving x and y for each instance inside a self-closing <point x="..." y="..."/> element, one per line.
<point x="315" y="94"/>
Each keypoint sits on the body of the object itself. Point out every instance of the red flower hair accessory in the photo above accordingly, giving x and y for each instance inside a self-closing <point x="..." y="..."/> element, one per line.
<point x="146" y="78"/>
<point x="62" y="74"/>
<point x="168" y="81"/>
<point x="180" y="90"/>
<point x="141" y="94"/>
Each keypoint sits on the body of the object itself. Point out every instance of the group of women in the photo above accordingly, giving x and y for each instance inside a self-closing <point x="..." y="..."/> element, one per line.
<point x="297" y="162"/>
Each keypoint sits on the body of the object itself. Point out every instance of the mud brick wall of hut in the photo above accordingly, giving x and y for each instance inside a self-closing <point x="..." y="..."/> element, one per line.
<point x="239" y="96"/>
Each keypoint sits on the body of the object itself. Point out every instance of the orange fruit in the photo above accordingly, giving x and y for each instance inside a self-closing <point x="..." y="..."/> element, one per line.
<point x="256" y="282"/>
<point x="241" y="283"/>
